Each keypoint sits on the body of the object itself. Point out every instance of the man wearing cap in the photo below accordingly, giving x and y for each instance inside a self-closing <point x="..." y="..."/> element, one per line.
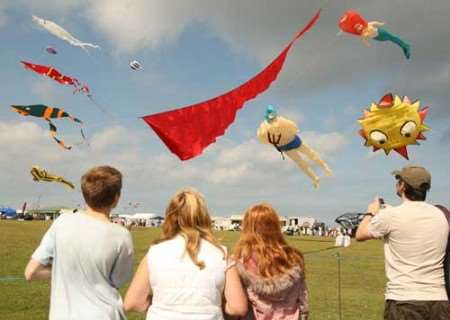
<point x="415" y="238"/>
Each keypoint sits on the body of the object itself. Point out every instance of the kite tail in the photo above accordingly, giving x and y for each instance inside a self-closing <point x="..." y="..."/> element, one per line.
<point x="87" y="44"/>
<point x="81" y="130"/>
<point x="67" y="183"/>
<point x="75" y="120"/>
<point x="53" y="135"/>
<point x="84" y="137"/>
<point x="385" y="35"/>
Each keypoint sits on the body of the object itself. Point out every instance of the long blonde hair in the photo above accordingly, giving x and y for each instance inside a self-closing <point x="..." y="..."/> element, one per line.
<point x="261" y="239"/>
<point x="188" y="215"/>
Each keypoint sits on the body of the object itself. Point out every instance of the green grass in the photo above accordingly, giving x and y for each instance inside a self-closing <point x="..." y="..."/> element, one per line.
<point x="362" y="273"/>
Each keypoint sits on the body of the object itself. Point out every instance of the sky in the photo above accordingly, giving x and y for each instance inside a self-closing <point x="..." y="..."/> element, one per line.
<point x="192" y="50"/>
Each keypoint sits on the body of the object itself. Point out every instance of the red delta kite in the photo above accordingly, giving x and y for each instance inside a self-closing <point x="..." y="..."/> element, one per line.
<point x="187" y="131"/>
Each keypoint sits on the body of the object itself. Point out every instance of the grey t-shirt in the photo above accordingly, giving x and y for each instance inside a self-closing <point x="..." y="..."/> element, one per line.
<point x="90" y="258"/>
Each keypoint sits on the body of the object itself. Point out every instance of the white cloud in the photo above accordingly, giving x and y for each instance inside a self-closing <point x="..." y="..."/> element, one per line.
<point x="3" y="16"/>
<point x="134" y="25"/>
<point x="294" y="115"/>
<point x="229" y="175"/>
<point x="47" y="91"/>
<point x="247" y="165"/>
<point x="115" y="135"/>
<point x="326" y="144"/>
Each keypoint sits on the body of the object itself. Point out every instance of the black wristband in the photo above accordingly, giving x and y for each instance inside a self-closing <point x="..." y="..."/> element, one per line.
<point x="369" y="214"/>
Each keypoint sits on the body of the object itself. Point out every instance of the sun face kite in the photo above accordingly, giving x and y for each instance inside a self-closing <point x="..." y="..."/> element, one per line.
<point x="393" y="124"/>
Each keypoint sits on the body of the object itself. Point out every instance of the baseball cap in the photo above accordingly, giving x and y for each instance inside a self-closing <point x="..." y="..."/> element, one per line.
<point x="415" y="176"/>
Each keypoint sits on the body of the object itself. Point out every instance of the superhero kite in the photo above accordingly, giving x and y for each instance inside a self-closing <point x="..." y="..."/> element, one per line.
<point x="393" y="124"/>
<point x="47" y="113"/>
<point x="189" y="130"/>
<point x="42" y="175"/>
<point x="352" y="22"/>
<point x="282" y="133"/>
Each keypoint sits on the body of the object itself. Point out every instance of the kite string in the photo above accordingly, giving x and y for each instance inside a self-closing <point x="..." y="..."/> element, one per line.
<point x="113" y="123"/>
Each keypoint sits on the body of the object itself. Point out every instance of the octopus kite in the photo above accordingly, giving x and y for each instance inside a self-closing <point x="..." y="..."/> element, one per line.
<point x="42" y="175"/>
<point x="282" y="133"/>
<point x="352" y="22"/>
<point x="47" y="113"/>
<point x="61" y="33"/>
<point x="393" y="124"/>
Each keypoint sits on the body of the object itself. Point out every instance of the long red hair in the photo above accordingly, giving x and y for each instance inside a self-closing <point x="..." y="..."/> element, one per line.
<point x="261" y="240"/>
<point x="188" y="215"/>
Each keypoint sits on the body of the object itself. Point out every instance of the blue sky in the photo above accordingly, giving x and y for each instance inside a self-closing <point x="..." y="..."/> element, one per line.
<point x="195" y="50"/>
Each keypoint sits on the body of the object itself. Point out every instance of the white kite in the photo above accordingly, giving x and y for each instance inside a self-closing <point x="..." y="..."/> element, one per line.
<point x="135" y="65"/>
<point x="62" y="33"/>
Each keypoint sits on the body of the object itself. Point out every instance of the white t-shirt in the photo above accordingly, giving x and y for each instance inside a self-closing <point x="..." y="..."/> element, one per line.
<point x="415" y="235"/>
<point x="180" y="289"/>
<point x="90" y="258"/>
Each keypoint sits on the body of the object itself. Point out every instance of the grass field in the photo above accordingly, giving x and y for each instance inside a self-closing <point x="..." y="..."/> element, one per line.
<point x="361" y="265"/>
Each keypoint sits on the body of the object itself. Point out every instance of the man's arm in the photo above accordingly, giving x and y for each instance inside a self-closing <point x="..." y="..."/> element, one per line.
<point x="123" y="266"/>
<point x="36" y="271"/>
<point x="363" y="233"/>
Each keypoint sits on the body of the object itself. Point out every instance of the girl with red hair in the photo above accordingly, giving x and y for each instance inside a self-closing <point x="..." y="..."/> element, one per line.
<point x="271" y="270"/>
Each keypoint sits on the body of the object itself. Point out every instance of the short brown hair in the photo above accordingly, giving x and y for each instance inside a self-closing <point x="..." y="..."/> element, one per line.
<point x="100" y="186"/>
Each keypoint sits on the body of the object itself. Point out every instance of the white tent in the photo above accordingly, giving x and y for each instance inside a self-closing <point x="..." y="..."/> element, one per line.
<point x="148" y="219"/>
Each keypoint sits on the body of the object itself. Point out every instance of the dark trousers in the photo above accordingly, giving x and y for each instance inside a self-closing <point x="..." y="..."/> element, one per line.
<point x="416" y="310"/>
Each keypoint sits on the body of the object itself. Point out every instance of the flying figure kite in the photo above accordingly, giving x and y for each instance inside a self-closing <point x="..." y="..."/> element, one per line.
<point x="282" y="133"/>
<point x="187" y="131"/>
<point x="47" y="113"/>
<point x="40" y="174"/>
<point x="62" y="33"/>
<point x="393" y="124"/>
<point x="352" y="22"/>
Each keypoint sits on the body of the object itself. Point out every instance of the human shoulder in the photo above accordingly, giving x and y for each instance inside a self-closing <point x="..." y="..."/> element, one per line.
<point x="166" y="245"/>
<point x="63" y="221"/>
<point x="121" y="235"/>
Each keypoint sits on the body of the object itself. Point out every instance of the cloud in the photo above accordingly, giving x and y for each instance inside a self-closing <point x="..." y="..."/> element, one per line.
<point x="3" y="15"/>
<point x="112" y="137"/>
<point x="260" y="28"/>
<point x="327" y="144"/>
<point x="47" y="91"/>
<point x="446" y="136"/>
<point x="226" y="164"/>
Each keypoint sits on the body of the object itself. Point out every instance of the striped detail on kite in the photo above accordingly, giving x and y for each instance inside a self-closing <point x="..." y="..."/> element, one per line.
<point x="50" y="69"/>
<point x="53" y="135"/>
<point x="48" y="113"/>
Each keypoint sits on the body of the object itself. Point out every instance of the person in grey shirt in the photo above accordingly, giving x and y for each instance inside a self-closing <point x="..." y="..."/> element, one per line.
<point x="86" y="256"/>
